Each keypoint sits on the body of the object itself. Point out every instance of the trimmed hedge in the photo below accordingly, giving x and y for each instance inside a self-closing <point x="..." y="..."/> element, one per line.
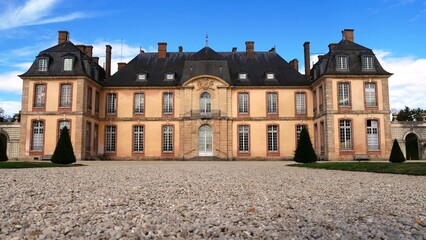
<point x="64" y="153"/>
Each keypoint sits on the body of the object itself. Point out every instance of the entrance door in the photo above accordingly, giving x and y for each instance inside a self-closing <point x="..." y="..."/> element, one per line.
<point x="205" y="141"/>
<point x="412" y="147"/>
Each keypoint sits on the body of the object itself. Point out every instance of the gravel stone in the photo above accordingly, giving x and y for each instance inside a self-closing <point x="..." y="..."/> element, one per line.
<point x="199" y="200"/>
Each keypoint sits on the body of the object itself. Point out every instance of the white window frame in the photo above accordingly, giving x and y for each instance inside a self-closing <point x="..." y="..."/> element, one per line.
<point x="40" y="95"/>
<point x="110" y="138"/>
<point x="370" y="94"/>
<point x="367" y="63"/>
<point x="42" y="64"/>
<point x="242" y="76"/>
<point x="373" y="143"/>
<point x="68" y="63"/>
<point x="244" y="138"/>
<point x="298" y="131"/>
<point x="138" y="138"/>
<point x="270" y="76"/>
<point x="345" y="135"/>
<point x="65" y="100"/>
<point x="272" y="98"/>
<point x="167" y="139"/>
<point x="243" y="103"/>
<point x="344" y="94"/>
<point x="301" y="103"/>
<point x="272" y="138"/>
<point x="111" y="104"/>
<point x="139" y="103"/>
<point x="342" y="62"/>
<point x="62" y="124"/>
<point x="168" y="103"/>
<point x="37" y="142"/>
<point x="205" y="103"/>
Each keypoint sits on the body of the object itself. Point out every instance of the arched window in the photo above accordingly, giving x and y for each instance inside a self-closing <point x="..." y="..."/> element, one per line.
<point x="205" y="103"/>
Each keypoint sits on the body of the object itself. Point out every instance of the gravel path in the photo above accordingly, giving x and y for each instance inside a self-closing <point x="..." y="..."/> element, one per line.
<point x="199" y="200"/>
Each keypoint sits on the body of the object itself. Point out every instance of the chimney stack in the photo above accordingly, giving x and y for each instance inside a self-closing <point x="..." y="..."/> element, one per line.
<point x="295" y="64"/>
<point x="88" y="50"/>
<point x="307" y="52"/>
<point x="250" y="49"/>
<point x="63" y="36"/>
<point x="81" y="47"/>
<point x="95" y="59"/>
<point x="108" y="61"/>
<point x="180" y="49"/>
<point x="162" y="50"/>
<point x="234" y="49"/>
<point x="348" y="34"/>
<point x="332" y="46"/>
<point x="120" y="65"/>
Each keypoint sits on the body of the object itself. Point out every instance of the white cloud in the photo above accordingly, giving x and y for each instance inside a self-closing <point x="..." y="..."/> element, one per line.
<point x="10" y="107"/>
<point x="406" y="86"/>
<point x="33" y="12"/>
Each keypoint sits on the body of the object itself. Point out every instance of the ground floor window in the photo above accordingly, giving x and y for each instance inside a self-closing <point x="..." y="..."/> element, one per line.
<point x="37" y="136"/>
<point x="372" y="135"/>
<point x="243" y="138"/>
<point x="110" y="139"/>
<point x="138" y="136"/>
<point x="345" y="135"/>
<point x="167" y="139"/>
<point x="272" y="138"/>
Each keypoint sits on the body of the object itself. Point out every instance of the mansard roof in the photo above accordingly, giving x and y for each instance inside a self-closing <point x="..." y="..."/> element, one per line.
<point x="225" y="65"/>
<point x="354" y="52"/>
<point x="83" y="65"/>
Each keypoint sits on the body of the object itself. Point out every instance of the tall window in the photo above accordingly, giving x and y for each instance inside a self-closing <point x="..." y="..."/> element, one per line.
<point x="95" y="139"/>
<point x="168" y="103"/>
<point x="345" y="135"/>
<point x="300" y="103"/>
<point x="139" y="103"/>
<point x="42" y="64"/>
<point x="272" y="103"/>
<point x="243" y="107"/>
<point x="89" y="99"/>
<point x="367" y="63"/>
<point x="344" y="97"/>
<point x="111" y="103"/>
<point x="298" y="131"/>
<point x="243" y="138"/>
<point x="110" y="139"/>
<point x="40" y="95"/>
<point x="168" y="139"/>
<point x="138" y="136"/>
<point x="272" y="138"/>
<point x="62" y="124"/>
<point x="372" y="135"/>
<point x="314" y="97"/>
<point x="342" y="62"/>
<point x="370" y="95"/>
<point x="322" y="137"/>
<point x="205" y="103"/>
<point x="321" y="98"/>
<point x="88" y="133"/>
<point x="65" y="101"/>
<point x="38" y="136"/>
<point x="97" y="101"/>
<point x="68" y="64"/>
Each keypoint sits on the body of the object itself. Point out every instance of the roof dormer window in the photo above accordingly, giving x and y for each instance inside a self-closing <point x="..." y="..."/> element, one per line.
<point x="270" y="76"/>
<point x="68" y="64"/>
<point x="342" y="62"/>
<point x="141" y="77"/>
<point x="169" y="76"/>
<point x="42" y="64"/>
<point x="367" y="63"/>
<point x="242" y="76"/>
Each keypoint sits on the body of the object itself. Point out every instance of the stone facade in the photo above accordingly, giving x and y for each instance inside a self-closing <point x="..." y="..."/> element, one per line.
<point x="402" y="130"/>
<point x="10" y="133"/>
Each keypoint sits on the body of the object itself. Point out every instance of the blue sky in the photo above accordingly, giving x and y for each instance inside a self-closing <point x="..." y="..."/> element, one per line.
<point x="394" y="29"/>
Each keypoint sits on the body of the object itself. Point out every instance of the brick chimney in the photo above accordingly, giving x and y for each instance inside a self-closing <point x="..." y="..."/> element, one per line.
<point x="120" y="65"/>
<point x="348" y="34"/>
<point x="63" y="36"/>
<point x="88" y="50"/>
<point x="108" y="61"/>
<point x="307" y="53"/>
<point x="162" y="50"/>
<point x="332" y="46"/>
<point x="81" y="47"/>
<point x="250" y="49"/>
<point x="295" y="64"/>
<point x="180" y="49"/>
<point x="95" y="59"/>
<point x="234" y="49"/>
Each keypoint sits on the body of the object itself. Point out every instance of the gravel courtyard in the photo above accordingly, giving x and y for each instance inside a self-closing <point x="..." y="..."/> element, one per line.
<point x="199" y="200"/>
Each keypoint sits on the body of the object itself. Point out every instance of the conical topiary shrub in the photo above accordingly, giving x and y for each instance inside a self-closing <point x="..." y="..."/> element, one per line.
<point x="396" y="155"/>
<point x="305" y="153"/>
<point x="64" y="153"/>
<point x="3" y="155"/>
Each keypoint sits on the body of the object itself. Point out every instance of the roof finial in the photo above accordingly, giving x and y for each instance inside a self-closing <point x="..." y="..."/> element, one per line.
<point x="207" y="40"/>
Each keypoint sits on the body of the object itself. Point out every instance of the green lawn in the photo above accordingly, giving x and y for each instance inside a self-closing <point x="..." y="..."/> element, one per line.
<point x="378" y="167"/>
<point x="5" y="165"/>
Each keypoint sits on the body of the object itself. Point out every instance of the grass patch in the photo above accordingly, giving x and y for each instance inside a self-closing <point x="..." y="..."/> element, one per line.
<point x="418" y="169"/>
<point x="7" y="165"/>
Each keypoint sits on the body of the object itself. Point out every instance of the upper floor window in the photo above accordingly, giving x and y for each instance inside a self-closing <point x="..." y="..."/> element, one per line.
<point x="68" y="64"/>
<point x="42" y="64"/>
<point x="168" y="103"/>
<point x="89" y="99"/>
<point x="139" y="103"/>
<point x="370" y="94"/>
<point x="205" y="103"/>
<point x="367" y="63"/>
<point x="272" y="103"/>
<point x="344" y="95"/>
<point x="141" y="76"/>
<point x="342" y="63"/>
<point x="40" y="95"/>
<point x="243" y="103"/>
<point x="242" y="76"/>
<point x="169" y="76"/>
<point x="314" y="97"/>
<point x="300" y="103"/>
<point x="65" y="95"/>
<point x="111" y="103"/>
<point x="270" y="76"/>
<point x="321" y="98"/>
<point x="345" y="135"/>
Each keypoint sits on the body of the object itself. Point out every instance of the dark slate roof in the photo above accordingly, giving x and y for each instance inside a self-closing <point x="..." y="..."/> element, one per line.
<point x="83" y="64"/>
<point x="327" y="63"/>
<point x="225" y="65"/>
